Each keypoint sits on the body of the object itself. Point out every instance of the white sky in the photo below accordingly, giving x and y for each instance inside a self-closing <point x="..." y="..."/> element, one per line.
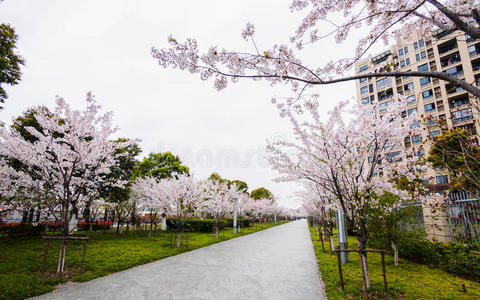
<point x="72" y="47"/>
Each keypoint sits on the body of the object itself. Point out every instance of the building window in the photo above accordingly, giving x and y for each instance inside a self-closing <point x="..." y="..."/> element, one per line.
<point x="363" y="68"/>
<point x="421" y="44"/>
<point x="455" y="71"/>
<point x="433" y="134"/>
<point x="415" y="124"/>
<point x="427" y="94"/>
<point x="406" y="77"/>
<point x="429" y="107"/>
<point x="415" y="46"/>
<point x="412" y="110"/>
<point x="423" y="68"/>
<point x="402" y="63"/>
<point x="417" y="57"/>
<point x="363" y="79"/>
<point x="400" y="52"/>
<point x="393" y="157"/>
<point x="442" y="179"/>
<point x="411" y="99"/>
<point x="423" y="55"/>
<point x="420" y="153"/>
<point x="370" y="88"/>
<point x="424" y="81"/>
<point x="382" y="107"/>
<point x="407" y="61"/>
<point x="416" y="139"/>
<point x="462" y="115"/>
<point x="405" y="49"/>
<point x="364" y="90"/>
<point x="408" y="87"/>
<point x="384" y="83"/>
<point x="365" y="100"/>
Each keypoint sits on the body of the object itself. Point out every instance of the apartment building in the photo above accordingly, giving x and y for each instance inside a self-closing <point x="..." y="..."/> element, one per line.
<point x="451" y="52"/>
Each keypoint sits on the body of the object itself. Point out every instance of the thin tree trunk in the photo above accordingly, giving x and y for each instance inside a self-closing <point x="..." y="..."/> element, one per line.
<point x="179" y="239"/>
<point x="395" y="253"/>
<point x="61" y="257"/>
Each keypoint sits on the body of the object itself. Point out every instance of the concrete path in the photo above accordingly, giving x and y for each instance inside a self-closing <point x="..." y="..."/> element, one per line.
<point x="277" y="263"/>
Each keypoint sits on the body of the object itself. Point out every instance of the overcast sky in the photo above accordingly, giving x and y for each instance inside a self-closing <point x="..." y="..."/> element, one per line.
<point x="72" y="47"/>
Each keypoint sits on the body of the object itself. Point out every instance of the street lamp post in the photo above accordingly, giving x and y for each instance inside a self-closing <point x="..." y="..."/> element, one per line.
<point x="235" y="204"/>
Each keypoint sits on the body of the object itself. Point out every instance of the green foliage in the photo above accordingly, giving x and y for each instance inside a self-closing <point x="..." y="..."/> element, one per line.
<point x="21" y="229"/>
<point x="244" y="222"/>
<point x="458" y="152"/>
<point x="122" y="170"/>
<point x="21" y="258"/>
<point x="242" y="185"/>
<point x="409" y="280"/>
<point x="160" y="165"/>
<point x="206" y="225"/>
<point x="261" y="193"/>
<point x="9" y="61"/>
<point x="454" y="258"/>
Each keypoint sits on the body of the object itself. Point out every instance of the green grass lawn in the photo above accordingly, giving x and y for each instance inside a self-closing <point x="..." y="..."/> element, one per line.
<point x="21" y="259"/>
<point x="406" y="281"/>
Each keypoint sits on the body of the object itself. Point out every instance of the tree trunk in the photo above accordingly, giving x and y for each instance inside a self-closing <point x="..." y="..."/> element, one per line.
<point x="179" y="239"/>
<point x="362" y="245"/>
<point x="216" y="231"/>
<point x="395" y="253"/>
<point x="61" y="257"/>
<point x="332" y="243"/>
<point x="151" y="228"/>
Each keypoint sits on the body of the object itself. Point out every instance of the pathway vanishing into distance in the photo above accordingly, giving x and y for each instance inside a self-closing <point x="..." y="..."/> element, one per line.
<point x="276" y="263"/>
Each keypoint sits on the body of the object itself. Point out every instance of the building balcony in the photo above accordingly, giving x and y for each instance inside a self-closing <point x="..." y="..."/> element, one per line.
<point x="462" y="119"/>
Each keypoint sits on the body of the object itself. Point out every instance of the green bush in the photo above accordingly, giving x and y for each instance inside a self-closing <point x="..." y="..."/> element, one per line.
<point x="460" y="259"/>
<point x="198" y="225"/>
<point x="455" y="258"/>
<point x="242" y="221"/>
<point x="21" y="229"/>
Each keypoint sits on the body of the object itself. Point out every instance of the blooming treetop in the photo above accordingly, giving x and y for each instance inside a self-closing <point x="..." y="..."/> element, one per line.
<point x="351" y="162"/>
<point x="386" y="20"/>
<point x="219" y="198"/>
<point x="63" y="168"/>
<point x="176" y="196"/>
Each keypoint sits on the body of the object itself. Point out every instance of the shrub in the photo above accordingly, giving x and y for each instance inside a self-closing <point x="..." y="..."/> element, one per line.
<point x="242" y="221"/>
<point x="199" y="225"/>
<point x="456" y="258"/>
<point x="21" y="229"/>
<point x="96" y="225"/>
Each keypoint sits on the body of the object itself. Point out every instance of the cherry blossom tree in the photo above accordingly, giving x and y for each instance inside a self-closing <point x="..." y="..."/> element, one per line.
<point x="178" y="197"/>
<point x="219" y="199"/>
<point x="149" y="197"/>
<point x="353" y="163"/>
<point x="385" y="20"/>
<point x="62" y="168"/>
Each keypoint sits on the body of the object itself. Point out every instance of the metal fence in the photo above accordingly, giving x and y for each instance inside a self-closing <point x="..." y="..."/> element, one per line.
<point x="463" y="213"/>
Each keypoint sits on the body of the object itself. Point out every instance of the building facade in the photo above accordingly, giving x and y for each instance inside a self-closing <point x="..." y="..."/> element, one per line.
<point x="433" y="99"/>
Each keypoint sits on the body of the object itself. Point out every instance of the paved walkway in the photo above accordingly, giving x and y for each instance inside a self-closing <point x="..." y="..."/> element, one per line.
<point x="277" y="263"/>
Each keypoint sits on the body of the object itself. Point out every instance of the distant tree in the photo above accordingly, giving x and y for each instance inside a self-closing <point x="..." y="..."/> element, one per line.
<point x="457" y="152"/>
<point x="160" y="165"/>
<point x="125" y="163"/>
<point x="9" y="60"/>
<point x="261" y="193"/>
<point x="242" y="185"/>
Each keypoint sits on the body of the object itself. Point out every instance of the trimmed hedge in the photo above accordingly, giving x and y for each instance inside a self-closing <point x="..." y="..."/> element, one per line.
<point x="96" y="225"/>
<point x="21" y="229"/>
<point x="242" y="221"/>
<point x="206" y="225"/>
